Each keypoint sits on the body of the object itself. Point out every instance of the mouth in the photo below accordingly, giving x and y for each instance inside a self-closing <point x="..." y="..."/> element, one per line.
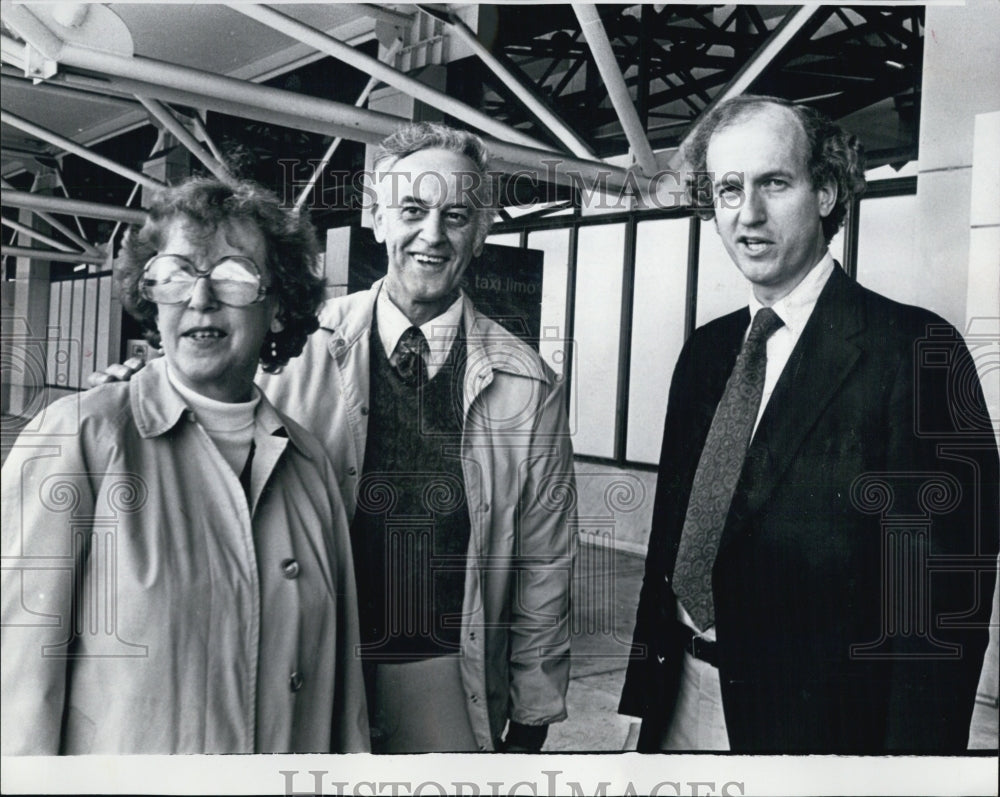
<point x="754" y="246"/>
<point x="204" y="334"/>
<point x="431" y="261"/>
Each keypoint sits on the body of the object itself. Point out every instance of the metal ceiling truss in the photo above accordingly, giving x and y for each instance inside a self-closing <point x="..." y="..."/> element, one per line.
<point x="676" y="58"/>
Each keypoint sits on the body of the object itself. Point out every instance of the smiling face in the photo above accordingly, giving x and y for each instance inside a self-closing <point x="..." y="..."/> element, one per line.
<point x="428" y="221"/>
<point x="213" y="348"/>
<point x="767" y="211"/>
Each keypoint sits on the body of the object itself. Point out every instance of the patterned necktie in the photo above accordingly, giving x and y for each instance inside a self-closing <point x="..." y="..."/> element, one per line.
<point x="410" y="353"/>
<point x="719" y="470"/>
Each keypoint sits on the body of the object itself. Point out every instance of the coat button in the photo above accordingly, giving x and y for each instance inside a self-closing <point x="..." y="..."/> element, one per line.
<point x="474" y="698"/>
<point x="472" y="635"/>
<point x="485" y="508"/>
<point x="364" y="410"/>
<point x="295" y="681"/>
<point x="352" y="471"/>
<point x="290" y="568"/>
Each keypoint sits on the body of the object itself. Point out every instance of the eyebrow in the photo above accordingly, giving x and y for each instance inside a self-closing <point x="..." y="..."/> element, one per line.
<point x="409" y="199"/>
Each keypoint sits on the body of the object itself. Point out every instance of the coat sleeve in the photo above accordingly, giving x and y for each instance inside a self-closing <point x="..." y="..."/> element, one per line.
<point x="350" y="732"/>
<point x="539" y="607"/>
<point x="943" y="451"/>
<point x="48" y="501"/>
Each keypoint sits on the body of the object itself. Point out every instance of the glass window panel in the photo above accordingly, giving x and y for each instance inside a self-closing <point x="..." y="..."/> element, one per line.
<point x="555" y="245"/>
<point x="657" y="330"/>
<point x="600" y="252"/>
<point x="721" y="286"/>
<point x="887" y="239"/>
<point x="505" y="239"/>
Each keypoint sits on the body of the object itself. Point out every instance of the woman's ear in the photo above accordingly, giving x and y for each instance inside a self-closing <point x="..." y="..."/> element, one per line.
<point x="276" y="323"/>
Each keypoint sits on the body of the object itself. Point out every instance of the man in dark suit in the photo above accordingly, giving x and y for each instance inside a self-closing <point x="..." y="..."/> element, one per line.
<point x="822" y="554"/>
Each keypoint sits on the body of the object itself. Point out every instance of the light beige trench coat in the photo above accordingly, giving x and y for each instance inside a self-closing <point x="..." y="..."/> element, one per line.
<point x="204" y="625"/>
<point x="517" y="462"/>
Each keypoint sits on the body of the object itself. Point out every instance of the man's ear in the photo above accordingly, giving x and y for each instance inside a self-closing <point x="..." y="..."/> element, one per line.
<point x="827" y="195"/>
<point x="378" y="223"/>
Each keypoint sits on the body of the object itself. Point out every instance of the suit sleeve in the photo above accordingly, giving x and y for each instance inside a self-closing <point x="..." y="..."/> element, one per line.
<point x="940" y="432"/>
<point x="45" y="486"/>
<point x="539" y="612"/>
<point x="645" y="678"/>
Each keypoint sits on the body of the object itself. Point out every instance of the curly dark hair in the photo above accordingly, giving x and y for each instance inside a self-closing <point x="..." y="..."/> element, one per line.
<point x="833" y="154"/>
<point x="418" y="136"/>
<point x="292" y="252"/>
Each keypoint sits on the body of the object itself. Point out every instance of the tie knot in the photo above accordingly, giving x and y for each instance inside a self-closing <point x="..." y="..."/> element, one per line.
<point x="412" y="341"/>
<point x="764" y="325"/>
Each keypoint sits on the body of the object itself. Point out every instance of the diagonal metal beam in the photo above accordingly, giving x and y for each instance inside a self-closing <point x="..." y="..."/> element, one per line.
<point x="526" y="94"/>
<point x="24" y="229"/>
<point x="325" y="160"/>
<point x="90" y="210"/>
<point x="621" y="99"/>
<point x="350" y="55"/>
<point x="49" y="254"/>
<point x="163" y="115"/>
<point x="76" y="149"/>
<point x="786" y="30"/>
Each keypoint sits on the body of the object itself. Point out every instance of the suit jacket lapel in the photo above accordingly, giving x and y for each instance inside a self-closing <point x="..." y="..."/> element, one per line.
<point x="818" y="366"/>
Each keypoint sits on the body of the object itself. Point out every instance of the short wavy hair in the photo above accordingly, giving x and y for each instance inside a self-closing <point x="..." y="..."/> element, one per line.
<point x="207" y="203"/>
<point x="418" y="136"/>
<point x="833" y="154"/>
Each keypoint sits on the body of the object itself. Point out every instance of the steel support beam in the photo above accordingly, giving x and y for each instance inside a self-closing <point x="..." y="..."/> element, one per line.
<point x="76" y="149"/>
<point x="526" y="94"/>
<point x="785" y="31"/>
<point x="393" y="77"/>
<point x="313" y="115"/>
<point x="36" y="235"/>
<point x="163" y="115"/>
<point x="55" y="204"/>
<point x="621" y="99"/>
<point x="48" y="254"/>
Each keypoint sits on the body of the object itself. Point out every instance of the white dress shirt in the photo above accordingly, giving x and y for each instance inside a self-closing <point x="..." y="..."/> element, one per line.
<point x="440" y="331"/>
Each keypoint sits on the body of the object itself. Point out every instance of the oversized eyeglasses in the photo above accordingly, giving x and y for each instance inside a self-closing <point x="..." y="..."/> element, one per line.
<point x="170" y="279"/>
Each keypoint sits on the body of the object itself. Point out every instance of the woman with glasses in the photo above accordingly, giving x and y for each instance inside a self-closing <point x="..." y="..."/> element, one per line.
<point x="180" y="572"/>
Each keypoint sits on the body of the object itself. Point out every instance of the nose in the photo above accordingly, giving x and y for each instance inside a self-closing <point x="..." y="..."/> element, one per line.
<point x="432" y="229"/>
<point x="202" y="297"/>
<point x="752" y="210"/>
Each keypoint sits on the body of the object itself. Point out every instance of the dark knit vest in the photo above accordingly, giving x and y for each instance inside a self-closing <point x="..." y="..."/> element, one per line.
<point x="411" y="528"/>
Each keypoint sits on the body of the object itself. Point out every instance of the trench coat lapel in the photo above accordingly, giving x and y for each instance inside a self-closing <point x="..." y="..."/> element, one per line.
<point x="824" y="356"/>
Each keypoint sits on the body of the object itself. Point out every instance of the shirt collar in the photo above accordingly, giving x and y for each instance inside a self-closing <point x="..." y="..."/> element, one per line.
<point x="795" y="308"/>
<point x="440" y="331"/>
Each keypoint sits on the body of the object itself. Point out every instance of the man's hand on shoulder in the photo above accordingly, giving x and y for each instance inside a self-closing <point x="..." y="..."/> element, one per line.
<point x="116" y="372"/>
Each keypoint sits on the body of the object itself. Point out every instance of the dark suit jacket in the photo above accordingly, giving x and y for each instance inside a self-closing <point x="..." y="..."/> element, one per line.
<point x="873" y="473"/>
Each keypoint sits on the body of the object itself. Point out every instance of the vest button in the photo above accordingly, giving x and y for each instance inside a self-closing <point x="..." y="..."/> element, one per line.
<point x="295" y="681"/>
<point x="290" y="568"/>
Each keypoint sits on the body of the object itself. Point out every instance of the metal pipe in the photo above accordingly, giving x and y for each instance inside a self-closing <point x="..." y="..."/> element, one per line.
<point x="48" y="254"/>
<point x="182" y="134"/>
<point x="621" y="99"/>
<point x="393" y="17"/>
<point x="785" y="31"/>
<point x="526" y="94"/>
<point x="90" y="210"/>
<point x="313" y="115"/>
<point x="361" y="100"/>
<point x="83" y="243"/>
<point x="421" y="91"/>
<point x="71" y="146"/>
<point x="33" y="233"/>
<point x="61" y="91"/>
